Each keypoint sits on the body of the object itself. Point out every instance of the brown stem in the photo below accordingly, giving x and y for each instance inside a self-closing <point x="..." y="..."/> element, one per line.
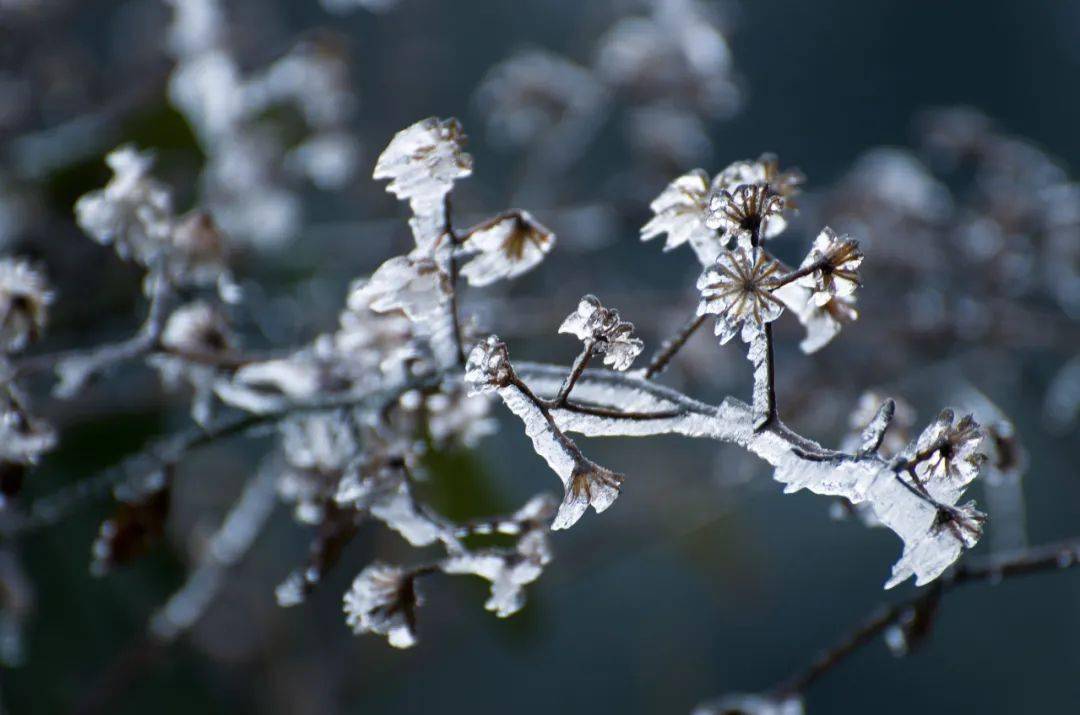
<point x="580" y="362"/>
<point x="1040" y="559"/>
<point x="672" y="346"/>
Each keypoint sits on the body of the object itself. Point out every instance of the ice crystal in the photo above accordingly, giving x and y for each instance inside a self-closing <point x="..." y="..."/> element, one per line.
<point x="400" y="511"/>
<point x="602" y="328"/>
<point x="680" y="212"/>
<point x="413" y="284"/>
<point x="745" y="211"/>
<point x="505" y="247"/>
<point x="383" y="600"/>
<point x="837" y="259"/>
<point x="24" y="301"/>
<point x="737" y="289"/>
<point x="318" y="448"/>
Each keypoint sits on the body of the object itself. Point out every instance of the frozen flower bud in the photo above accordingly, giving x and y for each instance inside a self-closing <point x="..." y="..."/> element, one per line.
<point x="412" y="284"/>
<point x="134" y="527"/>
<point x="24" y="300"/>
<point x="133" y="212"/>
<point x="837" y="259"/>
<point x="506" y="247"/>
<point x="746" y="211"/>
<point x="197" y="328"/>
<point x="488" y="367"/>
<point x="198" y="249"/>
<point x="318" y="449"/>
<point x="610" y="335"/>
<point x="424" y="160"/>
<point x="383" y="600"/>
<point x="588" y="484"/>
<point x="965" y="522"/>
<point x="738" y="290"/>
<point x="680" y="211"/>
<point x="949" y="449"/>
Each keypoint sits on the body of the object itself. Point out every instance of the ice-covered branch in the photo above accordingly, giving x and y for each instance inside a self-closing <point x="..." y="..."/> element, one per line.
<point x="929" y="545"/>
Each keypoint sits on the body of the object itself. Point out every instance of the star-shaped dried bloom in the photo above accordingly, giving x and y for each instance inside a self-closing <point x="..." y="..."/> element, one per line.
<point x="838" y="259"/>
<point x="609" y="334"/>
<point x="423" y="161"/>
<point x="745" y="211"/>
<point x="413" y="284"/>
<point x="680" y="212"/>
<point x="506" y="247"/>
<point x="383" y="600"/>
<point x="488" y="367"/>
<point x="948" y="449"/>
<point x="24" y="301"/>
<point x="738" y="290"/>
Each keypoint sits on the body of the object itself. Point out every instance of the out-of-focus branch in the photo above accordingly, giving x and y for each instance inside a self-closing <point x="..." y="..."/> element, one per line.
<point x="1040" y="559"/>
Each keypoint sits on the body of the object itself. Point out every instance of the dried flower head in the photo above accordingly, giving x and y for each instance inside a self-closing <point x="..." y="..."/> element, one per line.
<point x="837" y="259"/>
<point x="746" y="211"/>
<point x="383" y="600"/>
<point x="680" y="212"/>
<point x="505" y="247"/>
<point x="608" y="333"/>
<point x="137" y="523"/>
<point x="133" y="212"/>
<point x="198" y="249"/>
<point x="488" y="367"/>
<point x="738" y="290"/>
<point x="423" y="161"/>
<point x="948" y="449"/>
<point x="24" y="300"/>
<point x="198" y="329"/>
<point x="413" y="284"/>
<point x="765" y="171"/>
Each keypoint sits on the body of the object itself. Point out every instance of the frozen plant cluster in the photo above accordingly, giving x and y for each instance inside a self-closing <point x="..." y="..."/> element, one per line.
<point x="357" y="409"/>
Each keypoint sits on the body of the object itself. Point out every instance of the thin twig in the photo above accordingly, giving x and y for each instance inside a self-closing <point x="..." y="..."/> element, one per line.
<point x="580" y="363"/>
<point x="1041" y="559"/>
<point x="672" y="346"/>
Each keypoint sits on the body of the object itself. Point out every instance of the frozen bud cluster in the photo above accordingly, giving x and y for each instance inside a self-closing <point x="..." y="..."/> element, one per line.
<point x="605" y="331"/>
<point x="505" y="247"/>
<point x="738" y="290"/>
<point x="134" y="214"/>
<point x="24" y="301"/>
<point x="383" y="600"/>
<point x="751" y="704"/>
<point x="488" y="367"/>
